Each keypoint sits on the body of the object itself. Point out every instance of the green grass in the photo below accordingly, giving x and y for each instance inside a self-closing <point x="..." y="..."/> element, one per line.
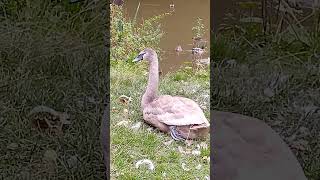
<point x="128" y="146"/>
<point x="51" y="54"/>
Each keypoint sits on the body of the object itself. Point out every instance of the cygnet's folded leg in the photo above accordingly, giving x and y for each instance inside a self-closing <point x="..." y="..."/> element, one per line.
<point x="175" y="134"/>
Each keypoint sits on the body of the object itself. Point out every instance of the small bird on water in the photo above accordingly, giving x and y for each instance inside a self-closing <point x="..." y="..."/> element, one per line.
<point x="198" y="51"/>
<point x="178" y="49"/>
<point x="118" y="2"/>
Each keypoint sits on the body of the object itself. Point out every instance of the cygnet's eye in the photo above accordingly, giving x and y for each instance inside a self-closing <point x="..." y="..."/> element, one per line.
<point x="139" y="57"/>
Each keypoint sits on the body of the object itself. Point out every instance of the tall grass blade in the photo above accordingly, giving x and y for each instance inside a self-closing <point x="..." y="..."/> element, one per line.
<point x="135" y="15"/>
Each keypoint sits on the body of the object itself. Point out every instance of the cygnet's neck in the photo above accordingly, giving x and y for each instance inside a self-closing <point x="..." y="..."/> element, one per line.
<point x="153" y="80"/>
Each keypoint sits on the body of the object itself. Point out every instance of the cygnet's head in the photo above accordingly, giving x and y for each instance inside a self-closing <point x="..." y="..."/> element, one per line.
<point x="147" y="54"/>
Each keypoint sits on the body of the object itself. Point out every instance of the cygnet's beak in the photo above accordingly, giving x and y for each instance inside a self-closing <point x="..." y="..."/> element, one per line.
<point x="139" y="58"/>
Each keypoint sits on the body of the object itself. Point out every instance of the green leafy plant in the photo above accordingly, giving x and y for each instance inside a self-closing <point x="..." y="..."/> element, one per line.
<point x="128" y="37"/>
<point x="198" y="28"/>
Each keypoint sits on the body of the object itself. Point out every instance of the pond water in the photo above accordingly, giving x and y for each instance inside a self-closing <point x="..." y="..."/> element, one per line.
<point x="177" y="27"/>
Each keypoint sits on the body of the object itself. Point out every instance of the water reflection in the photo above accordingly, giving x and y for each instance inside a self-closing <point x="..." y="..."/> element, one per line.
<point x="177" y="28"/>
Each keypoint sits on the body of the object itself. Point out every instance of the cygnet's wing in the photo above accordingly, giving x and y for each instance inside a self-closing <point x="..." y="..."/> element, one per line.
<point x="175" y="111"/>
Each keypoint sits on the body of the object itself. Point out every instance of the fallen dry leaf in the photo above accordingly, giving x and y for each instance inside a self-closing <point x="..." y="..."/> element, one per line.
<point x="291" y="138"/>
<point x="304" y="131"/>
<point x="204" y="107"/>
<point x="50" y="160"/>
<point x="125" y="99"/>
<point x="114" y="109"/>
<point x="44" y="117"/>
<point x="203" y="145"/>
<point x="136" y="126"/>
<point x="198" y="146"/>
<point x="199" y="166"/>
<point x="301" y="145"/>
<point x="122" y="123"/>
<point x="180" y="149"/>
<point x="145" y="161"/>
<point x="184" y="167"/>
<point x="189" y="142"/>
<point x="50" y="156"/>
<point x="167" y="143"/>
<point x="12" y="146"/>
<point x="164" y="174"/>
<point x="188" y="151"/>
<point x="73" y="162"/>
<point x="196" y="152"/>
<point x="126" y="113"/>
<point x="206" y="158"/>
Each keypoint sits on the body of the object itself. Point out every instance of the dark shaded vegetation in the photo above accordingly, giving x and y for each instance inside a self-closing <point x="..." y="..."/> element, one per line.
<point x="273" y="75"/>
<point x="51" y="54"/>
